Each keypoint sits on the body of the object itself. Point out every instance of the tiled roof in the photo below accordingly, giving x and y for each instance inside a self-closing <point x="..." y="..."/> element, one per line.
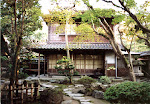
<point x="105" y="46"/>
<point x="146" y="53"/>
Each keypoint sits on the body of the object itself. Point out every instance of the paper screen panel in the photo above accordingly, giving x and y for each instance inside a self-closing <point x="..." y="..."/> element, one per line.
<point x="89" y="66"/>
<point x="77" y="66"/>
<point x="82" y="62"/>
<point x="78" y="62"/>
<point x="90" y="62"/>
<point x="82" y="66"/>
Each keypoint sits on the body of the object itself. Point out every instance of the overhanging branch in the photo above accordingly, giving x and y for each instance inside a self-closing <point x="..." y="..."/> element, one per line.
<point x="97" y="31"/>
<point x="108" y="1"/>
<point x="145" y="39"/>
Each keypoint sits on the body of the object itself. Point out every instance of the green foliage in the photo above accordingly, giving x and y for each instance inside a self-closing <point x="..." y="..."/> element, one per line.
<point x="87" y="34"/>
<point x="105" y="80"/>
<point x="129" y="93"/>
<point x="22" y="75"/>
<point x="20" y="19"/>
<point x="111" y="67"/>
<point x="31" y="21"/>
<point x="3" y="58"/>
<point x="75" y="73"/>
<point x="86" y="80"/>
<point x="130" y="3"/>
<point x="51" y="96"/>
<point x="106" y="13"/>
<point x="66" y="67"/>
<point x="58" y="16"/>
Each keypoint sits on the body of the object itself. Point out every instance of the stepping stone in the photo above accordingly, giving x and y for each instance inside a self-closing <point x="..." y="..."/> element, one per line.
<point x="76" y="95"/>
<point x="86" y="103"/>
<point x="65" y="90"/>
<point x="70" y="86"/>
<point x="68" y="92"/>
<point x="85" y="100"/>
<point x="79" y="85"/>
<point x="47" y="86"/>
<point x="78" y="98"/>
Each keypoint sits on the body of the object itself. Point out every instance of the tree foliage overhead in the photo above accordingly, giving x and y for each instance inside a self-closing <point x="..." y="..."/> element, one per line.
<point x="140" y="16"/>
<point x="19" y="18"/>
<point x="32" y="20"/>
<point x="59" y="16"/>
<point x="105" y="13"/>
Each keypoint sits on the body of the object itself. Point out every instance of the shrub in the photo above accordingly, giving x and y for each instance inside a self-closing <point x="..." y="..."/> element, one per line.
<point x="66" y="67"/>
<point x="22" y="75"/>
<point x="86" y="80"/>
<point x="105" y="80"/>
<point x="51" y="96"/>
<point x="75" y="73"/>
<point x="129" y="93"/>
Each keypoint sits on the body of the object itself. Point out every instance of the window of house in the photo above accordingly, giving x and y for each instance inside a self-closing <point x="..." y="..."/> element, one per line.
<point x="89" y="61"/>
<point x="53" y="60"/>
<point x="79" y="61"/>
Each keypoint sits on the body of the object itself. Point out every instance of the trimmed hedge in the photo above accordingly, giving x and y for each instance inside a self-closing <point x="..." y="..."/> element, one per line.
<point x="105" y="80"/>
<point x="129" y="93"/>
<point x="86" y="80"/>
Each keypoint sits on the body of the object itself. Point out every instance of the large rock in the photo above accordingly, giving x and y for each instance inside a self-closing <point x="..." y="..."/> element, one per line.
<point x="51" y="96"/>
<point x="98" y="94"/>
<point x="96" y="86"/>
<point x="104" y="87"/>
<point x="79" y="88"/>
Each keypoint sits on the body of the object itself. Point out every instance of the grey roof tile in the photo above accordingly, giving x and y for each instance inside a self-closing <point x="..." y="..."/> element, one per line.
<point x="74" y="46"/>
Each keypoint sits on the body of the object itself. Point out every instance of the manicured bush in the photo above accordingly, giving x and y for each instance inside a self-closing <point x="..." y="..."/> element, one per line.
<point x="129" y="93"/>
<point x="51" y="96"/>
<point x="75" y="73"/>
<point x="105" y="80"/>
<point x="66" y="67"/>
<point x="86" y="80"/>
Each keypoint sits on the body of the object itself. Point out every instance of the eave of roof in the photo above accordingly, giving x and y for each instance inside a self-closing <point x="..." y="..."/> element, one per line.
<point x="146" y="53"/>
<point x="73" y="46"/>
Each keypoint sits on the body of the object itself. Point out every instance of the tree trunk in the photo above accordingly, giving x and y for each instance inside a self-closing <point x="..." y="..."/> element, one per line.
<point x="127" y="63"/>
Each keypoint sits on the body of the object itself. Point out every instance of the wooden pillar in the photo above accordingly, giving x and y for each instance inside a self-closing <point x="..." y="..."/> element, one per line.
<point x="47" y="63"/>
<point x="31" y="90"/>
<point x="84" y="64"/>
<point x="116" y="65"/>
<point x="106" y="68"/>
<point x="44" y="64"/>
<point x="39" y="66"/>
<point x="22" y="88"/>
<point x="11" y="94"/>
<point x="27" y="91"/>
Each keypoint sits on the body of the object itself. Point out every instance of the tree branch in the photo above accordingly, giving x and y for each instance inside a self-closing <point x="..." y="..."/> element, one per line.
<point x="103" y="26"/>
<point x="112" y="3"/>
<point x="145" y="39"/>
<point x="97" y="31"/>
<point x="109" y="28"/>
<point x="121" y="33"/>
<point x="134" y="18"/>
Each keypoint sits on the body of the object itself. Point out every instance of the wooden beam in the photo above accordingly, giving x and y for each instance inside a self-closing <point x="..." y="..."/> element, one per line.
<point x="39" y="66"/>
<point x="44" y="64"/>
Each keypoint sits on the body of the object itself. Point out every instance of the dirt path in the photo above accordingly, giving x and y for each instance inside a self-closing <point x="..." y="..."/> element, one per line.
<point x="69" y="98"/>
<point x="96" y="101"/>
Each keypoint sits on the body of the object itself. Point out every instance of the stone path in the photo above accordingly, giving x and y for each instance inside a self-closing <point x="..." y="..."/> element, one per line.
<point x="77" y="96"/>
<point x="69" y="100"/>
<point x="80" y="97"/>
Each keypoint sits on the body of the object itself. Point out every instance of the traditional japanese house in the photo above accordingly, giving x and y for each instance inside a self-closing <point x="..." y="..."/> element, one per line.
<point x="89" y="58"/>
